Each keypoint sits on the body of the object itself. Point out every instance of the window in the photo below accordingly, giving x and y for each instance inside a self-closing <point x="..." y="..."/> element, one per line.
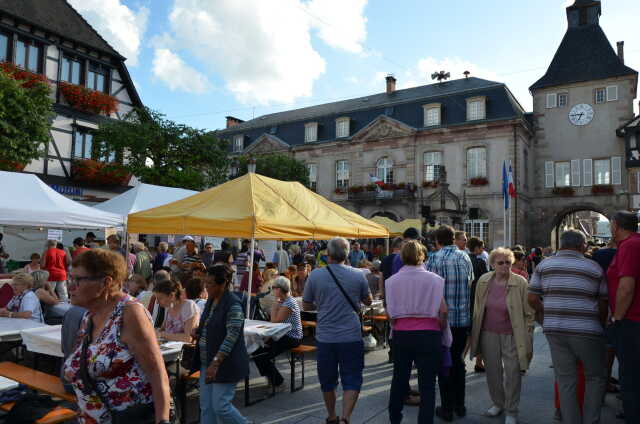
<point x="563" y="174"/>
<point x="83" y="145"/>
<point x="616" y="170"/>
<point x="431" y="115"/>
<point x="552" y="100"/>
<point x="384" y="170"/>
<point x="607" y="171"/>
<point x="587" y="172"/>
<point x="601" y="95"/>
<point x="238" y="143"/>
<point x="612" y="93"/>
<point x="71" y="70"/>
<point x="4" y="47"/>
<point x="563" y="99"/>
<point x="342" y="127"/>
<point x="310" y="132"/>
<point x="476" y="163"/>
<point x="312" y="171"/>
<point x="549" y="177"/>
<point x="575" y="172"/>
<point x="477" y="228"/>
<point x="28" y="55"/>
<point x="97" y="77"/>
<point x="475" y="110"/>
<point x="432" y="163"/>
<point x="342" y="174"/>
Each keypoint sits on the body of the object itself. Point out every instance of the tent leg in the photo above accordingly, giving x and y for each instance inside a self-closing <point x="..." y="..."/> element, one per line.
<point x="386" y="246"/>
<point x="253" y="244"/>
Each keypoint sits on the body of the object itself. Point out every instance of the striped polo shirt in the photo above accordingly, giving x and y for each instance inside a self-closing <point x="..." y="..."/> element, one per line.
<point x="571" y="286"/>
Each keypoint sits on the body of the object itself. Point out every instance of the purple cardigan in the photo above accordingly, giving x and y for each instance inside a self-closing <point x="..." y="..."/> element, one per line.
<point x="414" y="292"/>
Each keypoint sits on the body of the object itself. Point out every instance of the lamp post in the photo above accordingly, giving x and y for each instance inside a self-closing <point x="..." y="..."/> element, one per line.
<point x="251" y="165"/>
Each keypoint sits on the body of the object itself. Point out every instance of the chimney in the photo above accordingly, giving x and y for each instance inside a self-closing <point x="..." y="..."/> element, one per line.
<point x="391" y="84"/>
<point x="621" y="51"/>
<point x="232" y="121"/>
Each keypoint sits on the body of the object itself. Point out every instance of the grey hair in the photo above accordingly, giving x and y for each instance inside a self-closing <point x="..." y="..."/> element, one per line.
<point x="338" y="249"/>
<point x="161" y="275"/>
<point x="572" y="239"/>
<point x="163" y="246"/>
<point x="40" y="277"/>
<point x="52" y="243"/>
<point x="282" y="283"/>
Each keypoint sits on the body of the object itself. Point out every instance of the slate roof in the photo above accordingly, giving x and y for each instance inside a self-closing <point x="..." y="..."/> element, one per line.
<point x="585" y="54"/>
<point x="402" y="105"/>
<point x="59" y="17"/>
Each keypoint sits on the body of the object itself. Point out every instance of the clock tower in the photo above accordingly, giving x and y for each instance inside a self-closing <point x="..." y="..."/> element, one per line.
<point x="585" y="95"/>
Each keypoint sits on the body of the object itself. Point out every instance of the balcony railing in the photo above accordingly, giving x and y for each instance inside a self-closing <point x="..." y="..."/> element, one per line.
<point x="382" y="195"/>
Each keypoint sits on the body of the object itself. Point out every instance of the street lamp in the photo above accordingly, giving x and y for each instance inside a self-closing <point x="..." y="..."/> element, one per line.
<point x="251" y="165"/>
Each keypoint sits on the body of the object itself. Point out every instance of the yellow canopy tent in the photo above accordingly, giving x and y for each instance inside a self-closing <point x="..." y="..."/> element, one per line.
<point x="256" y="207"/>
<point x="397" y="228"/>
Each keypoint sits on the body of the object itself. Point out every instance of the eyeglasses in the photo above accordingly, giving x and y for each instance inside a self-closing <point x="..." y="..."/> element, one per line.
<point x="77" y="280"/>
<point x="503" y="263"/>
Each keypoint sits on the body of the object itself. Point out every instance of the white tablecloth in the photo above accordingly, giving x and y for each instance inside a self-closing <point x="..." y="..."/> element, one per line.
<point x="48" y="341"/>
<point x="256" y="333"/>
<point x="10" y="328"/>
<point x="6" y="384"/>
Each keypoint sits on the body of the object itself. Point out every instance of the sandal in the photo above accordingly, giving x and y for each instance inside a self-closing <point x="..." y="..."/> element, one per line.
<point x="333" y="421"/>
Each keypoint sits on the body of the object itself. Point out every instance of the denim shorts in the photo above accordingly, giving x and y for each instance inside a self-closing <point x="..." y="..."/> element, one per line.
<point x="347" y="359"/>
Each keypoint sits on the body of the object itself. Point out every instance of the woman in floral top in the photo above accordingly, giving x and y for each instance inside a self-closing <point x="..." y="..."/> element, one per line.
<point x="114" y="367"/>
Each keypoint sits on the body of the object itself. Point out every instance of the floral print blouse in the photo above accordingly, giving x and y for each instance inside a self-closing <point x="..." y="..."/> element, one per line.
<point x="112" y="368"/>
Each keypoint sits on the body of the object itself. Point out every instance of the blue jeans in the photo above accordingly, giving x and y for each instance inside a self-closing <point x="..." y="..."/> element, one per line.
<point x="215" y="403"/>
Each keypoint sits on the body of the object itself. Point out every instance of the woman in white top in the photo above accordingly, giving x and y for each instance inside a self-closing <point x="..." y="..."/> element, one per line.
<point x="34" y="265"/>
<point x="181" y="314"/>
<point x="25" y="303"/>
<point x="52" y="307"/>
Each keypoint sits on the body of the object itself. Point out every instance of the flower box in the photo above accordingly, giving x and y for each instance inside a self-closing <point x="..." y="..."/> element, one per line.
<point x="29" y="78"/>
<point x="99" y="173"/>
<point x="356" y="189"/>
<point x="371" y="187"/>
<point x="563" y="191"/>
<point x="429" y="184"/>
<point x="88" y="100"/>
<point x="339" y="190"/>
<point x="602" y="189"/>
<point x="479" y="181"/>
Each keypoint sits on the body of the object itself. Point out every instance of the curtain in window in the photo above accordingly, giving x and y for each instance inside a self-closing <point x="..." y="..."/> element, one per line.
<point x="384" y="170"/>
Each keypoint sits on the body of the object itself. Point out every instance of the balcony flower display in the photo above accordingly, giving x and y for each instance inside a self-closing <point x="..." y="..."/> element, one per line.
<point x="602" y="189"/>
<point x="356" y="189"/>
<point x="88" y="100"/>
<point x="29" y="78"/>
<point x="479" y="181"/>
<point x="563" y="191"/>
<point x="340" y="190"/>
<point x="429" y="184"/>
<point x="99" y="173"/>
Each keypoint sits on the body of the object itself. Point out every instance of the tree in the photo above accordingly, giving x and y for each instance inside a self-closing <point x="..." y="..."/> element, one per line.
<point x="279" y="166"/>
<point x="160" y="151"/>
<point x="25" y="117"/>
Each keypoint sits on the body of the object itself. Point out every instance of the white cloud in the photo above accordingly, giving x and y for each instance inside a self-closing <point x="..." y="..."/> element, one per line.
<point x="341" y="24"/>
<point x="121" y="26"/>
<point x="175" y="73"/>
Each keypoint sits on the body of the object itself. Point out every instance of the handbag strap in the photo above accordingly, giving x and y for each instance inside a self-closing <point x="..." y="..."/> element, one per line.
<point x="87" y="381"/>
<point x="344" y="293"/>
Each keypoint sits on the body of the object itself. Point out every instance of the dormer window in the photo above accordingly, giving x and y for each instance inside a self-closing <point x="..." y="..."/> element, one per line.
<point x="310" y="132"/>
<point x="342" y="127"/>
<point x="432" y="114"/>
<point x="238" y="143"/>
<point x="476" y="108"/>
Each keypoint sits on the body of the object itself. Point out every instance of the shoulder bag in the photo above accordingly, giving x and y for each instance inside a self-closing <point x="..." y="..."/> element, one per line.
<point x="346" y="296"/>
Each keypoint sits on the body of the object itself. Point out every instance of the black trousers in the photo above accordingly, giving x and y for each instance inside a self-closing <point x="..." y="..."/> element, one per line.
<point x="452" y="386"/>
<point x="628" y="351"/>
<point x="263" y="357"/>
<point x="424" y="348"/>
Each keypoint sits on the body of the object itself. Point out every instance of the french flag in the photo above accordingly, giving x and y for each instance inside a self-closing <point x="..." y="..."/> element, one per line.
<point x="375" y="180"/>
<point x="511" y="187"/>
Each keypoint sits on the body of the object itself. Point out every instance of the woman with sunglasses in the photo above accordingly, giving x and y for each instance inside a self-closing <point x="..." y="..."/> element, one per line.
<point x="116" y="368"/>
<point x="502" y="324"/>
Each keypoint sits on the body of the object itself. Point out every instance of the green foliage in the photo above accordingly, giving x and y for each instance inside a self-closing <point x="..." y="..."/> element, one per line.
<point x="279" y="166"/>
<point x="163" y="152"/>
<point x="25" y="121"/>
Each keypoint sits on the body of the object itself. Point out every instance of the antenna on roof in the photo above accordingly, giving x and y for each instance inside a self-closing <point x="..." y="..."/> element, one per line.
<point x="440" y="76"/>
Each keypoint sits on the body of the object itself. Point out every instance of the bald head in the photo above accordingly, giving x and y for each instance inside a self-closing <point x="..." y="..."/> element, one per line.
<point x="161" y="275"/>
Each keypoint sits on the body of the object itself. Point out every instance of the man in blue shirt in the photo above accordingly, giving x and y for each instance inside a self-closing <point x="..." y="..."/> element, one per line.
<point x="356" y="256"/>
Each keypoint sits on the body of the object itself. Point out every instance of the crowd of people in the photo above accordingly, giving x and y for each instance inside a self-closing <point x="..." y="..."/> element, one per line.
<point x="447" y="298"/>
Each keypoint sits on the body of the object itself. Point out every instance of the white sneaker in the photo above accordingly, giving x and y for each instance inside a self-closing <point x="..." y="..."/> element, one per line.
<point x="494" y="411"/>
<point x="510" y="419"/>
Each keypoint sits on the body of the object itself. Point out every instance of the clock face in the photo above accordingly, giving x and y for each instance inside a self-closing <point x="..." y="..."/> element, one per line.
<point x="581" y="114"/>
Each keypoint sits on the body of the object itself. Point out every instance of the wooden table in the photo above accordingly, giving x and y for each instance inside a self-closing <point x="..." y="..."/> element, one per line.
<point x="36" y="380"/>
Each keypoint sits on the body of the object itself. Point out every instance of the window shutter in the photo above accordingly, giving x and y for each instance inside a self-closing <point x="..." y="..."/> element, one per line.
<point x="616" y="170"/>
<point x="575" y="172"/>
<point x="612" y="93"/>
<point x="552" y="100"/>
<point x="548" y="174"/>
<point x="587" y="172"/>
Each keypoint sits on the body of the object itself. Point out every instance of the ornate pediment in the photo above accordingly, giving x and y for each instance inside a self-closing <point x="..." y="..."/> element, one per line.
<point x="383" y="127"/>
<point x="267" y="143"/>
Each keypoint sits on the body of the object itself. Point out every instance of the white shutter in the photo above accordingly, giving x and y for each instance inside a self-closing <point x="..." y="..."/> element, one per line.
<point x="587" y="172"/>
<point x="616" y="170"/>
<point x="612" y="93"/>
<point x="575" y="172"/>
<point x="552" y="100"/>
<point x="548" y="174"/>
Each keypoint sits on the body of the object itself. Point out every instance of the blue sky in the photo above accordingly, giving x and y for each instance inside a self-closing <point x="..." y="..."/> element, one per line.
<point x="198" y="61"/>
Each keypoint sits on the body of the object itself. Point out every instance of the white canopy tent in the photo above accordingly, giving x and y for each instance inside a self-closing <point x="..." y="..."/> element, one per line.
<point x="26" y="201"/>
<point x="142" y="197"/>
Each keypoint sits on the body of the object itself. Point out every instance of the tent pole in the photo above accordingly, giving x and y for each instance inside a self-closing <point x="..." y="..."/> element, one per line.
<point x="386" y="243"/>
<point x="253" y="243"/>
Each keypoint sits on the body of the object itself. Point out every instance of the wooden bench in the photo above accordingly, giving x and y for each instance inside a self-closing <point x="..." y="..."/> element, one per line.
<point x="55" y="416"/>
<point x="297" y="355"/>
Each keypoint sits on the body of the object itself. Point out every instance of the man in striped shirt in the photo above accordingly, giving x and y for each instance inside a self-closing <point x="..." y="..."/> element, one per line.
<point x="573" y="311"/>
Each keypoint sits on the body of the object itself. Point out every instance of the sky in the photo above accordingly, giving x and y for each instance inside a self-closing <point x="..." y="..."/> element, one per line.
<point x="198" y="61"/>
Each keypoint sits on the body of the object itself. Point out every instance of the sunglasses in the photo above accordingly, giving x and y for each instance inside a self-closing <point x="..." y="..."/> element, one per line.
<point x="503" y="263"/>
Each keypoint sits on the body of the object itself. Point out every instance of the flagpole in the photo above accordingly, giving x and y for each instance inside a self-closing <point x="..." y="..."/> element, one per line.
<point x="509" y="210"/>
<point x="504" y="204"/>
